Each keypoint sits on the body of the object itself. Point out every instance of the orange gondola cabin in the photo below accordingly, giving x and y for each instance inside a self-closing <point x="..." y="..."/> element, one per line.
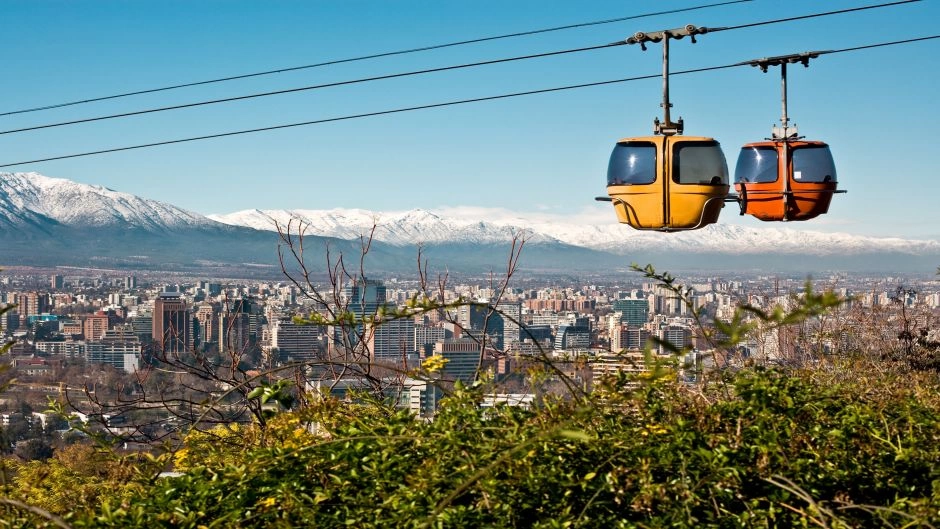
<point x="785" y="180"/>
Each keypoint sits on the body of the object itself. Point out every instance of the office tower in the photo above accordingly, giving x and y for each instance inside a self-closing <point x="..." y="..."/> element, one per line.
<point x="482" y="318"/>
<point x="665" y="301"/>
<point x="572" y="337"/>
<point x="94" y="326"/>
<point x="130" y="282"/>
<point x="295" y="343"/>
<point x="364" y="297"/>
<point x="512" y="318"/>
<point x="207" y="317"/>
<point x="463" y="359"/>
<point x="392" y="341"/>
<point x="426" y="335"/>
<point x="172" y="324"/>
<point x="537" y="333"/>
<point x="635" y="311"/>
<point x="677" y="335"/>
<point x="11" y="321"/>
<point x="142" y="324"/>
<point x="240" y="327"/>
<point x="57" y="282"/>
<point x="627" y="337"/>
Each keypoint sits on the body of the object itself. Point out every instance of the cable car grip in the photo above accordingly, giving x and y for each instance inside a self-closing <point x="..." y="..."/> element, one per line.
<point x="666" y="127"/>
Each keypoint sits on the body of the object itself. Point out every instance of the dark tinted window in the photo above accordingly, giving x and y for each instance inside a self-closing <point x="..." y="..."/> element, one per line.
<point x="813" y="164"/>
<point x="756" y="164"/>
<point x="632" y="163"/>
<point x="699" y="163"/>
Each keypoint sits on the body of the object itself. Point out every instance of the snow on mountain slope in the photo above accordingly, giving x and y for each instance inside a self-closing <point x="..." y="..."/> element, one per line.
<point x="463" y="225"/>
<point x="398" y="228"/>
<point x="27" y="197"/>
<point x="34" y="200"/>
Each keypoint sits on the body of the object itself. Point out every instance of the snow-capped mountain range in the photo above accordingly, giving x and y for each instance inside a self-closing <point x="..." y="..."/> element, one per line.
<point x="28" y="198"/>
<point x="53" y="220"/>
<point x="408" y="228"/>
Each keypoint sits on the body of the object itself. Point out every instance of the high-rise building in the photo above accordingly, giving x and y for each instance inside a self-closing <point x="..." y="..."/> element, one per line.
<point x="512" y="318"/>
<point x="392" y="341"/>
<point x="297" y="343"/>
<point x="426" y="335"/>
<point x="463" y="359"/>
<point x="57" y="282"/>
<point x="627" y="337"/>
<point x="11" y="321"/>
<point x="172" y="324"/>
<point x="94" y="326"/>
<point x="240" y="327"/>
<point x="573" y="337"/>
<point x="678" y="335"/>
<point x="482" y="318"/>
<point x="635" y="311"/>
<point x="364" y="297"/>
<point x="118" y="347"/>
<point x="32" y="303"/>
<point x="207" y="316"/>
<point x="537" y="333"/>
<point x="666" y="301"/>
<point x="142" y="323"/>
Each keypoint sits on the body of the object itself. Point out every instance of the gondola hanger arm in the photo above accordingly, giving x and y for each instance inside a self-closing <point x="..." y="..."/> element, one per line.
<point x="689" y="30"/>
<point x="666" y="127"/>
<point x="802" y="58"/>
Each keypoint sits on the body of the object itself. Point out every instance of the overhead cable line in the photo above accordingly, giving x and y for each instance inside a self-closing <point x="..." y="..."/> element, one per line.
<point x="315" y="87"/>
<point x="412" y="73"/>
<point x="373" y="56"/>
<point x="440" y="105"/>
<point x="804" y="17"/>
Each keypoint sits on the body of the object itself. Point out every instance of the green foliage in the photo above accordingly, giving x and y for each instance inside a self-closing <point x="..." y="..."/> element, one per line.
<point x="785" y="449"/>
<point x="273" y="397"/>
<point x="77" y="475"/>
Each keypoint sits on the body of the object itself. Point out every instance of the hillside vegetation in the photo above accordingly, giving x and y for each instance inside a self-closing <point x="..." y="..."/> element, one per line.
<point x="849" y="446"/>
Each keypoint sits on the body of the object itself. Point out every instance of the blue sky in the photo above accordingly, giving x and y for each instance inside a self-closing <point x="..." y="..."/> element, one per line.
<point x="543" y="153"/>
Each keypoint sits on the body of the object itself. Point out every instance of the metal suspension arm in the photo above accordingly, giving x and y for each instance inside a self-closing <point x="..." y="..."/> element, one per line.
<point x="667" y="127"/>
<point x="784" y="131"/>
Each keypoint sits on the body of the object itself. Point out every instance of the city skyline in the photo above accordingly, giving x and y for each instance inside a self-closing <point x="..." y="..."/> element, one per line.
<point x="542" y="155"/>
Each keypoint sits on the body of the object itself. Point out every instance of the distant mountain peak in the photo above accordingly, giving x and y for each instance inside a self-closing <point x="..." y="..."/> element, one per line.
<point x="28" y="195"/>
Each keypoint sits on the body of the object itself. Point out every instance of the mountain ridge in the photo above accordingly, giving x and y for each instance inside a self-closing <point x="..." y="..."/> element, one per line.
<point x="419" y="226"/>
<point x="54" y="221"/>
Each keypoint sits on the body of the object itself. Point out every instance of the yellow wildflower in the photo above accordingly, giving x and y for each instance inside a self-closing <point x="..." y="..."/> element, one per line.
<point x="434" y="363"/>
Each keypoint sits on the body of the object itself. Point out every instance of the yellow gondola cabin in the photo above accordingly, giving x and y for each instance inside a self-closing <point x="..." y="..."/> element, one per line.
<point x="667" y="183"/>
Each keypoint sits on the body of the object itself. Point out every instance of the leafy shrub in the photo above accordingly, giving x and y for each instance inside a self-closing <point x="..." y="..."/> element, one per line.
<point x="766" y="449"/>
